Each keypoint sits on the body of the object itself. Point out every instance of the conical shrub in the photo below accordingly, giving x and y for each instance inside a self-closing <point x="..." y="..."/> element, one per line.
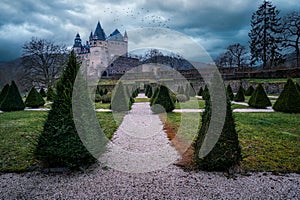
<point x="50" y="94"/>
<point x="205" y="93"/>
<point x="43" y="93"/>
<point x="59" y="144"/>
<point x="227" y="152"/>
<point x="34" y="99"/>
<point x="298" y="86"/>
<point x="163" y="99"/>
<point x="249" y="91"/>
<point x="240" y="97"/>
<point x="120" y="99"/>
<point x="154" y="96"/>
<point x="289" y="99"/>
<point x="13" y="100"/>
<point x="4" y="92"/>
<point x="200" y="91"/>
<point x="259" y="98"/>
<point x="229" y="92"/>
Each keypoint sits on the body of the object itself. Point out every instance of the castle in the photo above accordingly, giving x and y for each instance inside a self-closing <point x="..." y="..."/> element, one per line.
<point x="100" y="50"/>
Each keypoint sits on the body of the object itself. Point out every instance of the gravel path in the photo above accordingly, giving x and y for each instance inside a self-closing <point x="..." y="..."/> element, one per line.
<point x="162" y="181"/>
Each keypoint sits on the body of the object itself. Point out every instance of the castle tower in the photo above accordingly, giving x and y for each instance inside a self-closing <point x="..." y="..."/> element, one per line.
<point x="100" y="50"/>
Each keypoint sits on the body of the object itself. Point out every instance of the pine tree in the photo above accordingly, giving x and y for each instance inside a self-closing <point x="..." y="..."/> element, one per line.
<point x="227" y="152"/>
<point x="259" y="98"/>
<point x="249" y="91"/>
<point x="34" y="99"/>
<point x="289" y="99"/>
<point x="229" y="92"/>
<point x="163" y="99"/>
<point x="240" y="97"/>
<point x="43" y="93"/>
<point x="59" y="144"/>
<point x="265" y="35"/>
<point x="4" y="92"/>
<point x="13" y="100"/>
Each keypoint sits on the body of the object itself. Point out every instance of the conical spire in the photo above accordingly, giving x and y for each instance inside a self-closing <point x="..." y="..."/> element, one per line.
<point x="125" y="36"/>
<point x="99" y="32"/>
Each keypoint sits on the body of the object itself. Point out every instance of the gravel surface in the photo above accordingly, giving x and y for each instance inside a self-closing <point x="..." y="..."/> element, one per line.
<point x="156" y="180"/>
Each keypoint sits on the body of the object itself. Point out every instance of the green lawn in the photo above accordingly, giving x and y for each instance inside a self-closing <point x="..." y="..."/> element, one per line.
<point x="275" y="80"/>
<point x="269" y="141"/>
<point x="18" y="129"/>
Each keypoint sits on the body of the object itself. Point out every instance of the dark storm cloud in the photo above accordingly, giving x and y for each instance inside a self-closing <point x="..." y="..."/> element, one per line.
<point x="213" y="24"/>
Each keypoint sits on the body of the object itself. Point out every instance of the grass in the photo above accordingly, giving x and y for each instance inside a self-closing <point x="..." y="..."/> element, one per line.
<point x="18" y="129"/>
<point x="269" y="141"/>
<point x="102" y="106"/>
<point x="140" y="100"/>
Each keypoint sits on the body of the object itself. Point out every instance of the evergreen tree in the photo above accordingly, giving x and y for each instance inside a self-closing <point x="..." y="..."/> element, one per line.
<point x="229" y="92"/>
<point x="240" y="97"/>
<point x="265" y="35"/>
<point x="249" y="91"/>
<point x="43" y="93"/>
<point x="163" y="99"/>
<point x="205" y="93"/>
<point x="149" y="93"/>
<point x="200" y="91"/>
<point x="59" y="144"/>
<point x="105" y="91"/>
<point x="226" y="153"/>
<point x="13" y="100"/>
<point x="4" y="92"/>
<point x="259" y="98"/>
<point x="289" y="99"/>
<point x="34" y="99"/>
<point x="156" y="91"/>
<point x="298" y="86"/>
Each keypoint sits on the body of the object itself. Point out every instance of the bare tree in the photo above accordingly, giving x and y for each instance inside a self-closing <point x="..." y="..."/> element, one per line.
<point x="43" y="62"/>
<point x="238" y="52"/>
<point x="291" y="32"/>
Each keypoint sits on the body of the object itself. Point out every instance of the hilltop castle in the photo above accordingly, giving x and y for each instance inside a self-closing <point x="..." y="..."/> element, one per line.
<point x="100" y="50"/>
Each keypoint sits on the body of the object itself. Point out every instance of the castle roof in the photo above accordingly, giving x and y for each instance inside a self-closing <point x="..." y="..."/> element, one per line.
<point x="116" y="35"/>
<point x="99" y="32"/>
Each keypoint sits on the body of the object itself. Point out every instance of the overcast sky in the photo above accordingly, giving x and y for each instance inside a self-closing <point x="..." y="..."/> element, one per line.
<point x="214" y="24"/>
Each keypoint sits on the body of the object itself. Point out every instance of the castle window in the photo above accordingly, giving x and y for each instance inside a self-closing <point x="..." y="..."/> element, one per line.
<point x="95" y="43"/>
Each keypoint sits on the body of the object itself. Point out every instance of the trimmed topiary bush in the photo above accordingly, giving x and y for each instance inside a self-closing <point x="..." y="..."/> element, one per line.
<point x="43" y="93"/>
<point x="12" y="100"/>
<point x="259" y="98"/>
<point x="59" y="144"/>
<point x="181" y="98"/>
<point x="240" y="97"/>
<point x="205" y="93"/>
<point x="289" y="99"/>
<point x="106" y="98"/>
<point x="249" y="91"/>
<point x="200" y="91"/>
<point x="229" y="92"/>
<point x="4" y="92"/>
<point x="163" y="99"/>
<point x="34" y="99"/>
<point x="120" y="99"/>
<point x="298" y="86"/>
<point x="156" y="91"/>
<point x="227" y="152"/>
<point x="50" y="94"/>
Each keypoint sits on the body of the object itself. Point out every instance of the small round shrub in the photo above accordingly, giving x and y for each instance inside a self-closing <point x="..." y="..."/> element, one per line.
<point x="181" y="98"/>
<point x="106" y="98"/>
<point x="97" y="98"/>
<point x="34" y="99"/>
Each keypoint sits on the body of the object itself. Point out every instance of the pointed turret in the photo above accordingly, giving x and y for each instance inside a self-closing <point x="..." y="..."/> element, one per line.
<point x="77" y="41"/>
<point x="125" y="36"/>
<point x="99" y="33"/>
<point x="91" y="36"/>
